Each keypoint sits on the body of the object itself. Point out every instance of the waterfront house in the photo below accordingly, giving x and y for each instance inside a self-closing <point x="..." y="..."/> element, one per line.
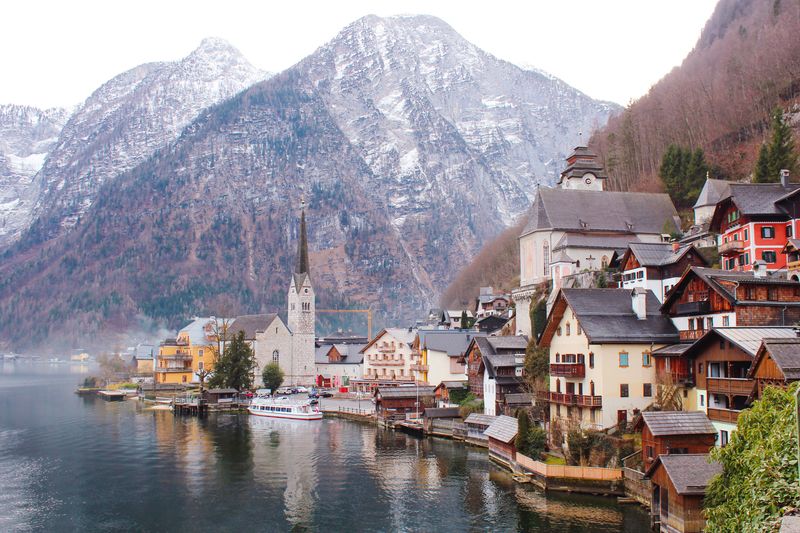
<point x="777" y="363"/>
<point x="674" y="432"/>
<point x="142" y="361"/>
<point x="501" y="435"/>
<point x="657" y="266"/>
<point x="719" y="364"/>
<point x="579" y="226"/>
<point x="755" y="221"/>
<point x="679" y="487"/>
<point x="449" y="393"/>
<point x="480" y="346"/>
<point x="337" y="364"/>
<point x="503" y="374"/>
<point x="600" y="343"/>
<point x="220" y="396"/>
<point x="477" y="424"/>
<point x="513" y="402"/>
<point x="193" y="350"/>
<point x="439" y="354"/>
<point x="388" y="358"/>
<point x="440" y="420"/>
<point x="396" y="402"/>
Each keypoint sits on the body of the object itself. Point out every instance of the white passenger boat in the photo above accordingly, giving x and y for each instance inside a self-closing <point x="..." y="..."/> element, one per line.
<point x="283" y="408"/>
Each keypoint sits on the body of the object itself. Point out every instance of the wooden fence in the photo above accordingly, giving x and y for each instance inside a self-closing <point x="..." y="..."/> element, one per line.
<point x="591" y="473"/>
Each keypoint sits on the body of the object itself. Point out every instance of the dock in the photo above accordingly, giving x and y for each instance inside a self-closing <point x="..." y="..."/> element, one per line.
<point x="112" y="395"/>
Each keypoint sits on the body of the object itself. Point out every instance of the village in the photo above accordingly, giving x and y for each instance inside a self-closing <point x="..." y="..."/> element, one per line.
<point x="625" y="355"/>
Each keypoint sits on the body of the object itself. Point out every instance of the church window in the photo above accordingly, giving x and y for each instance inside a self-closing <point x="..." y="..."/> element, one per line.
<point x="276" y="356"/>
<point x="292" y="307"/>
<point x="546" y="258"/>
<point x="604" y="261"/>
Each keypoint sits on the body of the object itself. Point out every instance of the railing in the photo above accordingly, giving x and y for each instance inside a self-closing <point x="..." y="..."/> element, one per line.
<point x="731" y="247"/>
<point x="675" y="376"/>
<point x="694" y="308"/>
<point x="576" y="399"/>
<point x="691" y="334"/>
<point x="176" y="356"/>
<point x="568" y="370"/>
<point x="387" y="349"/>
<point x="419" y="368"/>
<point x="738" y="386"/>
<point x="793" y="265"/>
<point x="174" y="369"/>
<point x="388" y="362"/>
<point x="723" y="415"/>
<point x="571" y="472"/>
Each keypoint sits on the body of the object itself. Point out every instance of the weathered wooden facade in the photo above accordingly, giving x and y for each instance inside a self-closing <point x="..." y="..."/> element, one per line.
<point x="777" y="364"/>
<point x="501" y="438"/>
<point x="674" y="432"/>
<point x="396" y="402"/>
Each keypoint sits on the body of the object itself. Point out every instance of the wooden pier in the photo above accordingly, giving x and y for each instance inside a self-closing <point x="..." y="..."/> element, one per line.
<point x="112" y="395"/>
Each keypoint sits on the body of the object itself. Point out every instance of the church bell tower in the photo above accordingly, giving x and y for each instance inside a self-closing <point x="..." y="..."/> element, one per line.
<point x="301" y="315"/>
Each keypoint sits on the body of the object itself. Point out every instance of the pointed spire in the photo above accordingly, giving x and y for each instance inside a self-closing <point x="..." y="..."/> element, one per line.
<point x="301" y="265"/>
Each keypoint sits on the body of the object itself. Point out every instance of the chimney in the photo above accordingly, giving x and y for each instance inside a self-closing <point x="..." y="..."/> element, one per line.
<point x="675" y="246"/>
<point x="784" y="178"/>
<point x="639" y="302"/>
<point x="760" y="269"/>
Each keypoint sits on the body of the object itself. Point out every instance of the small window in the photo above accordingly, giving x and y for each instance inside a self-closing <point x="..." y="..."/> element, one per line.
<point x="726" y="321"/>
<point x="710" y="322"/>
<point x="199" y="365"/>
<point x="276" y="356"/>
<point x="691" y="324"/>
<point x="568" y="329"/>
<point x="702" y="400"/>
<point x="767" y="232"/>
<point x="623" y="359"/>
<point x="558" y="331"/>
<point x="699" y="369"/>
<point x="723" y="438"/>
<point x="772" y="294"/>
<point x="646" y="359"/>
<point x="578" y="330"/>
<point x="591" y="360"/>
<point x="650" y="452"/>
<point x="745" y="235"/>
<point x="768" y="256"/>
<point x="647" y="390"/>
<point x="200" y="352"/>
<point x="721" y="345"/>
<point x="558" y="357"/>
<point x="788" y="231"/>
<point x="623" y="390"/>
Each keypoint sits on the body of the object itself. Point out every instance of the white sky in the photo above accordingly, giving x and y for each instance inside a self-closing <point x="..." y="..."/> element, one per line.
<point x="55" y="53"/>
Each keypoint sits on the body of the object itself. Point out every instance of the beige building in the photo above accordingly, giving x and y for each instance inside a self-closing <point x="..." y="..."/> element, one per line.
<point x="388" y="356"/>
<point x="269" y="337"/>
<point x="441" y="354"/>
<point x="600" y="343"/>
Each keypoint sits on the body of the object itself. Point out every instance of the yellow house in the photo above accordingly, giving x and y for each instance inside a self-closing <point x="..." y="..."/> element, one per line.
<point x="180" y="359"/>
<point x="600" y="343"/>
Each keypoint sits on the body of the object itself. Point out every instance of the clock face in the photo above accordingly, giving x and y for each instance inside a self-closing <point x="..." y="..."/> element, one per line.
<point x="588" y="181"/>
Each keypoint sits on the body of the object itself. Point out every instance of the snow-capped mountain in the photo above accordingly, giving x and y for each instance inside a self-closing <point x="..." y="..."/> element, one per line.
<point x="127" y="119"/>
<point x="27" y="135"/>
<point x="410" y="146"/>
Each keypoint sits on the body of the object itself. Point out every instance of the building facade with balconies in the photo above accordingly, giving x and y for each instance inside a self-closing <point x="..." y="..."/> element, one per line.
<point x="600" y="343"/>
<point x="388" y="358"/>
<point x="180" y="359"/>
<point x="657" y="266"/>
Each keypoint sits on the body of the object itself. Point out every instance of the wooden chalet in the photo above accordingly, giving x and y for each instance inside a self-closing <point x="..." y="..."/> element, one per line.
<point x="679" y="485"/>
<point x="443" y="392"/>
<point x="674" y="432"/>
<point x="777" y="363"/>
<point x="396" y="402"/>
<point x="657" y="266"/>
<point x="477" y="424"/>
<point x="704" y="298"/>
<point x="220" y="396"/>
<point x="501" y="434"/>
<point x="503" y="376"/>
<point x="480" y="346"/>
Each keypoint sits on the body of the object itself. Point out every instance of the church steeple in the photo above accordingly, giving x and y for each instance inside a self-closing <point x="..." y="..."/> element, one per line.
<point x="301" y="264"/>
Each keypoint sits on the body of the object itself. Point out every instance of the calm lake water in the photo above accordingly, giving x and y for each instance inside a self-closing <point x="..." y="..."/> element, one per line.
<point x="80" y="464"/>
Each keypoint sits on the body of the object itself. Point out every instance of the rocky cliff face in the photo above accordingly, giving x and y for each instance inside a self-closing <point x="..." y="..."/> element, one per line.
<point x="410" y="146"/>
<point x="27" y="135"/>
<point x="125" y="121"/>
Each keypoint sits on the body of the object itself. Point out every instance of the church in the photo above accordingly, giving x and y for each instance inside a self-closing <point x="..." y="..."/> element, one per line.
<point x="291" y="345"/>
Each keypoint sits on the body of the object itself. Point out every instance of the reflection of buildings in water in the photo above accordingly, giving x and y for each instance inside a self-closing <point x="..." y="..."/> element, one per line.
<point x="534" y="500"/>
<point x="285" y="452"/>
<point x="78" y="369"/>
<point x="189" y="446"/>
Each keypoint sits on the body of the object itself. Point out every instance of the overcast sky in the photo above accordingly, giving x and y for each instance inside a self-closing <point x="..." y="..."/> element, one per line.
<point x="55" y="53"/>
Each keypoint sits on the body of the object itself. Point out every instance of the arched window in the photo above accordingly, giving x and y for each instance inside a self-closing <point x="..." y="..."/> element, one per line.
<point x="604" y="261"/>
<point x="568" y="328"/>
<point x="546" y="258"/>
<point x="558" y="386"/>
<point x="275" y="356"/>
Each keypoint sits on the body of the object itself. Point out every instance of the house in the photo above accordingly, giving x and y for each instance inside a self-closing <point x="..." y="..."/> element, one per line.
<point x="755" y="221"/>
<point x="600" y="343"/>
<point x="579" y="225"/>
<point x="679" y="486"/>
<point x="480" y="346"/>
<point x="477" y="424"/>
<point x="777" y="363"/>
<point x="337" y="364"/>
<point x="705" y="298"/>
<point x="388" y="358"/>
<point x="491" y="324"/>
<point x="503" y="374"/>
<point x="450" y="393"/>
<point x="193" y="350"/>
<point x="673" y="432"/>
<point x="512" y="402"/>
<point x="439" y="420"/>
<point x="719" y="364"/>
<point x="220" y="396"/>
<point x="699" y="233"/>
<point x="440" y="354"/>
<point x="792" y="252"/>
<point x="489" y="303"/>
<point x="657" y="266"/>
<point x="501" y="435"/>
<point x="142" y="361"/>
<point x="396" y="402"/>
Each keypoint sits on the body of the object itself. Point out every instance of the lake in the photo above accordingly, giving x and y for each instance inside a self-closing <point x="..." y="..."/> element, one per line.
<point x="71" y="463"/>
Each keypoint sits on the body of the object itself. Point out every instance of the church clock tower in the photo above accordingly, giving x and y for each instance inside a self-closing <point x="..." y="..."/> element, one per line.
<point x="301" y="316"/>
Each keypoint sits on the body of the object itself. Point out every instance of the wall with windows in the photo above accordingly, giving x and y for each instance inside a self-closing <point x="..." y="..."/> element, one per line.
<point x="273" y="344"/>
<point x="761" y="241"/>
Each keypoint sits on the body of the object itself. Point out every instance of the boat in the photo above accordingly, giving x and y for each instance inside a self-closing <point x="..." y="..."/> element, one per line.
<point x="283" y="408"/>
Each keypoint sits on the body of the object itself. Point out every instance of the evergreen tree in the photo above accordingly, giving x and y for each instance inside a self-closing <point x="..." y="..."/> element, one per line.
<point x="761" y="173"/>
<point x="683" y="172"/>
<point x="464" y="320"/>
<point x="234" y="368"/>
<point x="523" y="429"/>
<point x="781" y="147"/>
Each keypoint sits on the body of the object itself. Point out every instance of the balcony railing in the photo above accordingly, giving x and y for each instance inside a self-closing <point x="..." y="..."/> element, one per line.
<point x="694" y="308"/>
<point x="568" y="370"/>
<point x="388" y="362"/>
<point x="723" y="415"/>
<point x="793" y="265"/>
<point x="174" y="369"/>
<point x="176" y="357"/>
<point x="680" y="377"/>
<point x="387" y="349"/>
<point x="737" y="386"/>
<point x="731" y="248"/>
<point x="691" y="334"/>
<point x="576" y="399"/>
<point x="419" y="368"/>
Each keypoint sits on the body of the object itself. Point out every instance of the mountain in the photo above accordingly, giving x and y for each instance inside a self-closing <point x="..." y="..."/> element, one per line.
<point x="125" y="121"/>
<point x="745" y="63"/>
<point x="27" y="135"/>
<point x="410" y="146"/>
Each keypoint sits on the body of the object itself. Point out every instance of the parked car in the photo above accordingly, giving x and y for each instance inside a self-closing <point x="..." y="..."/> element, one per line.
<point x="283" y="390"/>
<point x="326" y="394"/>
<point x="300" y="389"/>
<point x="313" y="394"/>
<point x="314" y="401"/>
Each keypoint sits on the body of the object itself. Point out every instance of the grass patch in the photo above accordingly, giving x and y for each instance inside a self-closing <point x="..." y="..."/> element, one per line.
<point x="554" y="460"/>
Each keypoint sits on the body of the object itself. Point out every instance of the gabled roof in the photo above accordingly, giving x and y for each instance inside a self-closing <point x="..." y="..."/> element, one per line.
<point x="479" y="419"/>
<point x="754" y="200"/>
<point x="351" y="354"/>
<point x="785" y="352"/>
<point x="441" y="412"/>
<point x="657" y="254"/>
<point x="689" y="473"/>
<point x="404" y="392"/>
<point x="747" y="339"/>
<point x="672" y="350"/>
<point x="607" y="316"/>
<point x="503" y="428"/>
<point x="519" y="398"/>
<point x="490" y="323"/>
<point x="494" y="361"/>
<point x="251" y="324"/>
<point x="713" y="191"/>
<point x="453" y="343"/>
<point x="666" y="423"/>
<point x="405" y="335"/>
<point x="579" y="240"/>
<point x="582" y="210"/>
<point x="196" y="330"/>
<point x="453" y="385"/>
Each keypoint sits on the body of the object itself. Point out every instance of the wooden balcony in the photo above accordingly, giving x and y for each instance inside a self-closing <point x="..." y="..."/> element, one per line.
<point x="731" y="248"/>
<point x="176" y="357"/>
<point x="691" y="334"/>
<point x="702" y="307"/>
<point x="723" y="415"/>
<point x="388" y="362"/>
<point x="172" y="369"/>
<point x="793" y="265"/>
<point x="576" y="399"/>
<point x="419" y="368"/>
<point x="733" y="386"/>
<point x="568" y="370"/>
